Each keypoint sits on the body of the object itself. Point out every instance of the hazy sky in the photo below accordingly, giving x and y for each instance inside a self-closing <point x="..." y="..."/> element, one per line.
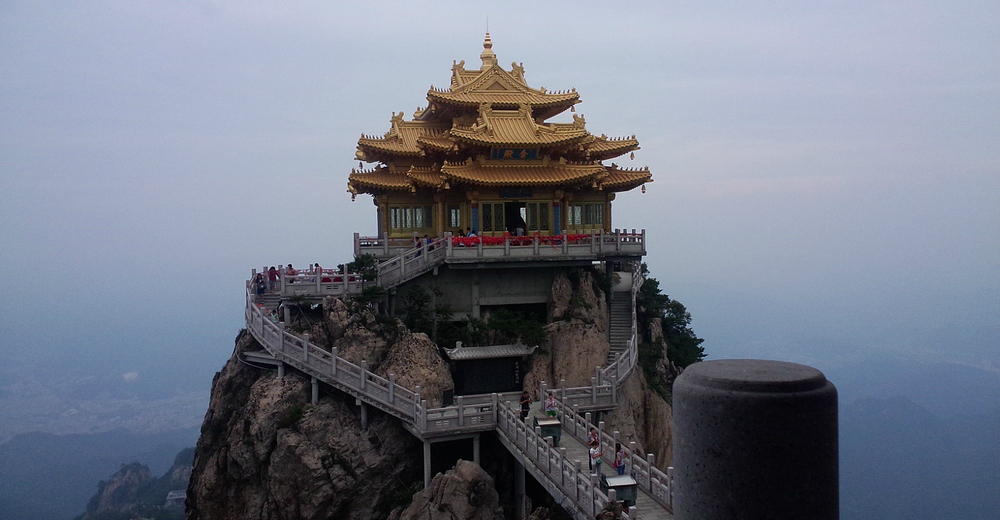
<point x="827" y="174"/>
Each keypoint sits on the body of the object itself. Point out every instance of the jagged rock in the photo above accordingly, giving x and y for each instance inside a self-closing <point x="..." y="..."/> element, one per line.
<point x="576" y="341"/>
<point x="575" y="295"/>
<point x="611" y="511"/>
<point x="416" y="360"/>
<point x="465" y="492"/>
<point x="571" y="351"/>
<point x="266" y="454"/>
<point x="121" y="491"/>
<point x="644" y="417"/>
<point x="386" y="345"/>
<point x="132" y="492"/>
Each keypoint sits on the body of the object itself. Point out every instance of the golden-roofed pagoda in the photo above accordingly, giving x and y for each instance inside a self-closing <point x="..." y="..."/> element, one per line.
<point x="481" y="156"/>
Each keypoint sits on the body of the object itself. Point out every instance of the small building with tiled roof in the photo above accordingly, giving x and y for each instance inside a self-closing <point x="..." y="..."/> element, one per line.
<point x="481" y="156"/>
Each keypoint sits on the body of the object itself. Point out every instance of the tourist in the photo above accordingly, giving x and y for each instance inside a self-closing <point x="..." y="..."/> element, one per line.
<point x="594" y="439"/>
<point x="272" y="279"/>
<point x="595" y="459"/>
<point x="550" y="405"/>
<point x="273" y="316"/>
<point x="525" y="404"/>
<point x="290" y="273"/>
<point x="461" y="232"/>
<point x="619" y="458"/>
<point x="258" y="282"/>
<point x="469" y="232"/>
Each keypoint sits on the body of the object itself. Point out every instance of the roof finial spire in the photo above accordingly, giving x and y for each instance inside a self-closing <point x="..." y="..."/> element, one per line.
<point x="489" y="59"/>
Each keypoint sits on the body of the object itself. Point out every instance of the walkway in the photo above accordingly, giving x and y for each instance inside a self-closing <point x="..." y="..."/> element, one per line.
<point x="646" y="505"/>
<point x="569" y="483"/>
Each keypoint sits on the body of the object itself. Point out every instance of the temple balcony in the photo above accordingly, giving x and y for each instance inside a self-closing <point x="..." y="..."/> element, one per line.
<point x="598" y="245"/>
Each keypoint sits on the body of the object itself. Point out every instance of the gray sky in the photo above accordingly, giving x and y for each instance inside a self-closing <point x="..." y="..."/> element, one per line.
<point x="827" y="174"/>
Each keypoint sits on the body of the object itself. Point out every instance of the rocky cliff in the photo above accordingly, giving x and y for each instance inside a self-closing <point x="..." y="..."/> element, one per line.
<point x="577" y="343"/>
<point x="266" y="454"/>
<point x="466" y="492"/>
<point x="133" y="492"/>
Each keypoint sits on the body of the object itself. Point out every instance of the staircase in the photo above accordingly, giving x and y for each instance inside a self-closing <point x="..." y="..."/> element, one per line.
<point x="620" y="322"/>
<point x="270" y="301"/>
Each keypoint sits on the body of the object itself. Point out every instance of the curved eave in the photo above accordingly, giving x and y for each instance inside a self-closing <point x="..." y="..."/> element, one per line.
<point x="480" y="139"/>
<point x="377" y="180"/>
<point x="626" y="179"/>
<point x="526" y="175"/>
<point x="474" y="99"/>
<point x="425" y="177"/>
<point x="387" y="146"/>
<point x="602" y="150"/>
<point x="442" y="144"/>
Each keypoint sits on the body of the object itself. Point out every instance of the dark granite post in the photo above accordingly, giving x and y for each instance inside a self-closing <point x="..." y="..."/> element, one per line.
<point x="755" y="439"/>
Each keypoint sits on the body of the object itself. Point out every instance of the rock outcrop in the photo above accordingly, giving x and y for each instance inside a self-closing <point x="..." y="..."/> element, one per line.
<point x="387" y="346"/>
<point x="266" y="454"/>
<point x="133" y="492"/>
<point x="576" y="339"/>
<point x="466" y="492"/>
<point x="577" y="343"/>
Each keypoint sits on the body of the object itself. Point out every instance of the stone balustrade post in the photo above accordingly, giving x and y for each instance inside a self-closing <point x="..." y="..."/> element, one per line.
<point x="593" y="390"/>
<point x="630" y="466"/>
<point x="333" y="362"/>
<point x="460" y="404"/>
<point x="392" y="388"/>
<point x="416" y="401"/>
<point x="305" y="348"/>
<point x="756" y="435"/>
<point x="364" y="374"/>
<point x="281" y="337"/>
<point x="649" y="462"/>
<point x="565" y="242"/>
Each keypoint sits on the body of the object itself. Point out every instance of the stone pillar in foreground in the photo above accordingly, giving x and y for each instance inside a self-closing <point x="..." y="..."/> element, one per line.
<point x="755" y="439"/>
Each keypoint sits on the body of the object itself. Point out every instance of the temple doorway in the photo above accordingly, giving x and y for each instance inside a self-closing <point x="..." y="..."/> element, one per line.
<point x="515" y="215"/>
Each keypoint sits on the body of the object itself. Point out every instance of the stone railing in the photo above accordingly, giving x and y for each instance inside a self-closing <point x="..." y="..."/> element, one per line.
<point x="410" y="263"/>
<point x="652" y="480"/>
<point x="616" y="373"/>
<point x="468" y="413"/>
<point x="326" y="282"/>
<point x="563" y="478"/>
<point x="595" y="244"/>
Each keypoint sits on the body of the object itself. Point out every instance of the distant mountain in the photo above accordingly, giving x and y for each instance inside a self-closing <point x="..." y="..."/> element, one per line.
<point x="51" y="477"/>
<point x="133" y="493"/>
<point x="945" y="389"/>
<point x="899" y="461"/>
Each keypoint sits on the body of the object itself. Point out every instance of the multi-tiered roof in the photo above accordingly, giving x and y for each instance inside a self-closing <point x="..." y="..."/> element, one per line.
<point x="488" y="130"/>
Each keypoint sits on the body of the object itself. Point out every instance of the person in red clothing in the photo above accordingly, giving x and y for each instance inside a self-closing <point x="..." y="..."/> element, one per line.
<point x="272" y="278"/>
<point x="290" y="271"/>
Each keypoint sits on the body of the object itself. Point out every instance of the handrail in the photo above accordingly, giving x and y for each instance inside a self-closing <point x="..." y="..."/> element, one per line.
<point x="550" y="464"/>
<point x="655" y="482"/>
<point x="469" y="413"/>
